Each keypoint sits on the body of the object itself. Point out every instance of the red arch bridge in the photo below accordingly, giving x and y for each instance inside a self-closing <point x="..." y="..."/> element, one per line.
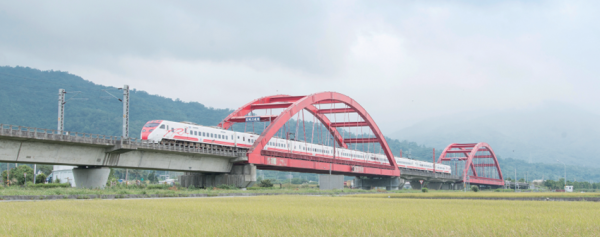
<point x="321" y="106"/>
<point x="323" y="120"/>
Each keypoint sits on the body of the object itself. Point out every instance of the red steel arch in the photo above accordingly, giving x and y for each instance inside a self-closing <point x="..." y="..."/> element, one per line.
<point x="276" y="101"/>
<point x="469" y="150"/>
<point x="294" y="104"/>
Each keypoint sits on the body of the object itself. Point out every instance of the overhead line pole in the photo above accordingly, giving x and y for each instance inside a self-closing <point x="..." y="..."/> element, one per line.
<point x="125" y="111"/>
<point x="61" y="110"/>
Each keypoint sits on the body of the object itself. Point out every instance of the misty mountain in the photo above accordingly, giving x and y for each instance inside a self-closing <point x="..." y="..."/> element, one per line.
<point x="545" y="133"/>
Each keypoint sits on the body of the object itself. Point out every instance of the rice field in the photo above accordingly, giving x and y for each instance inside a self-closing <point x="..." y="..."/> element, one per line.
<point x="298" y="216"/>
<point x="482" y="195"/>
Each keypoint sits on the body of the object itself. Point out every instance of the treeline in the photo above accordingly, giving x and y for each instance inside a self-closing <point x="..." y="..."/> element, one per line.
<point x="560" y="184"/>
<point x="539" y="171"/>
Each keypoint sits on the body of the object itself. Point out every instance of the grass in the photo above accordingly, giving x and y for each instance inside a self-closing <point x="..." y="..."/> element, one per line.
<point x="481" y="195"/>
<point x="153" y="190"/>
<point x="298" y="216"/>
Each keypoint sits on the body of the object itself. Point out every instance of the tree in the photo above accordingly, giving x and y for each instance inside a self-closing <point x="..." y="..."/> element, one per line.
<point x="152" y="177"/>
<point x="17" y="174"/>
<point x="265" y="183"/>
<point x="40" y="178"/>
<point x="46" y="169"/>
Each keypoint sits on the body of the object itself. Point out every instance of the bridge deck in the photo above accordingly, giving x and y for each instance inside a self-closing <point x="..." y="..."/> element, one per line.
<point x="44" y="146"/>
<point x="112" y="143"/>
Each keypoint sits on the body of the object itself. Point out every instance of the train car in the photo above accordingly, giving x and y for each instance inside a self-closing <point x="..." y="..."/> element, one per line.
<point x="194" y="135"/>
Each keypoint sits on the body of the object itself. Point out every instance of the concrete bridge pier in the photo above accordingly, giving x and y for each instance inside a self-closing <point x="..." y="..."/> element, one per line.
<point x="390" y="183"/>
<point x="439" y="186"/>
<point x="415" y="184"/>
<point x="241" y="176"/>
<point x="91" y="176"/>
<point x="329" y="182"/>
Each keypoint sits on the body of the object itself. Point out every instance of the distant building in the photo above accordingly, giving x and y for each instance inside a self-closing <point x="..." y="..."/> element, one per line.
<point x="63" y="173"/>
<point x="569" y="189"/>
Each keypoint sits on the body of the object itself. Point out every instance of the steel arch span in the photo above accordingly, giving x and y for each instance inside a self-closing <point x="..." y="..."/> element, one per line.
<point x="291" y="105"/>
<point x="480" y="163"/>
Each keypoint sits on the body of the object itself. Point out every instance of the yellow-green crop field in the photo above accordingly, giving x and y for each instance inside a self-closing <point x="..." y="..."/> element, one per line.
<point x="298" y="216"/>
<point x="482" y="195"/>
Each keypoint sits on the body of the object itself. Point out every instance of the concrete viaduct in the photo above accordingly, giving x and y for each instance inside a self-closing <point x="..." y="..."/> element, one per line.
<point x="208" y="166"/>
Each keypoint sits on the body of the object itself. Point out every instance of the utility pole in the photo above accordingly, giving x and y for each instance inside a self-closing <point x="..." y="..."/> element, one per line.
<point x="125" y="111"/>
<point x="61" y="110"/>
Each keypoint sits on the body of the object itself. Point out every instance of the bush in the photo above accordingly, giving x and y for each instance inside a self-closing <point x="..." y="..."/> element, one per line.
<point x="225" y="186"/>
<point x="424" y="190"/>
<point x="157" y="186"/>
<point x="265" y="183"/>
<point x="49" y="185"/>
<point x="475" y="188"/>
<point x="40" y="178"/>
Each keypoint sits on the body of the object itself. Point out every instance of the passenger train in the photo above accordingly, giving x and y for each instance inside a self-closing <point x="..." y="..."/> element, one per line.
<point x="186" y="133"/>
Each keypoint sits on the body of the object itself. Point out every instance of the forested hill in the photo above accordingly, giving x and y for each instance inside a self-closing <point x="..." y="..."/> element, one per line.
<point x="30" y="98"/>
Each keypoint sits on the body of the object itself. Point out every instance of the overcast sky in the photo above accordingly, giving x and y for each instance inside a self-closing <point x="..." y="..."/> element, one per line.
<point x="403" y="62"/>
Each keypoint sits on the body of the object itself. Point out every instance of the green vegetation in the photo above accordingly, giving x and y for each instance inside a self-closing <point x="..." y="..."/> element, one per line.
<point x="265" y="183"/>
<point x="299" y="216"/>
<point x="19" y="175"/>
<point x="560" y="184"/>
<point x="474" y="188"/>
<point x="458" y="194"/>
<point x="161" y="189"/>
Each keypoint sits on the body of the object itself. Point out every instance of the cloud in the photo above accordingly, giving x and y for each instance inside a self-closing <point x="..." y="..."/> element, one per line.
<point x="404" y="62"/>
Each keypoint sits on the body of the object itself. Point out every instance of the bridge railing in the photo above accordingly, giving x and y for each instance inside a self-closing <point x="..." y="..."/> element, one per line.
<point x="8" y="130"/>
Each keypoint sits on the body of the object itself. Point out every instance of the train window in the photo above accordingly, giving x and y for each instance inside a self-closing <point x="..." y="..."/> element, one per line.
<point x="162" y="126"/>
<point x="244" y="138"/>
<point x="167" y="127"/>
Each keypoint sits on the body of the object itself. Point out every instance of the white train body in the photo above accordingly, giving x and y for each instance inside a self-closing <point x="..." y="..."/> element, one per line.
<point x="162" y="130"/>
